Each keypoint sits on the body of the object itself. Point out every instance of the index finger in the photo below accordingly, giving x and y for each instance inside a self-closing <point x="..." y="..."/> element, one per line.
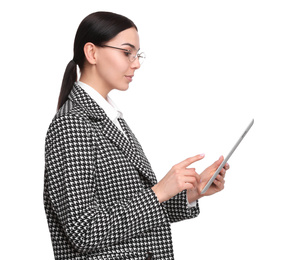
<point x="190" y="160"/>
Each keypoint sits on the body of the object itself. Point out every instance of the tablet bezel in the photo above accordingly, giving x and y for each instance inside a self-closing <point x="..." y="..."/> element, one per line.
<point x="227" y="158"/>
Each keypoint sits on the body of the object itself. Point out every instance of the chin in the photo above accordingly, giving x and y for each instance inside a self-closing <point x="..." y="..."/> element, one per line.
<point x="123" y="88"/>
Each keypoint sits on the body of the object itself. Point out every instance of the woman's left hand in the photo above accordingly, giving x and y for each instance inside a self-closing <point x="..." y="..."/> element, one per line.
<point x="216" y="186"/>
<point x="218" y="183"/>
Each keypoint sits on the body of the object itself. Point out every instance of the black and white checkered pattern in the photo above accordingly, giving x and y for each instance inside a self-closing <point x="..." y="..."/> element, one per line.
<point x="97" y="189"/>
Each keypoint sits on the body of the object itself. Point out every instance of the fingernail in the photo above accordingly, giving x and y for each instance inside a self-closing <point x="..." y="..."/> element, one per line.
<point x="202" y="155"/>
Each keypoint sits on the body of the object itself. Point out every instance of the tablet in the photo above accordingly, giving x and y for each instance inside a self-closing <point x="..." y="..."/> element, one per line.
<point x="227" y="158"/>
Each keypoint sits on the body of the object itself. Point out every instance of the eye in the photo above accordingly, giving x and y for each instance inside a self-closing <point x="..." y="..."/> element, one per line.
<point x="127" y="53"/>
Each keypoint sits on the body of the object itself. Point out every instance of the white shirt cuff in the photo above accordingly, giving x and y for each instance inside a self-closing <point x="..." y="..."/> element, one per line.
<point x="192" y="204"/>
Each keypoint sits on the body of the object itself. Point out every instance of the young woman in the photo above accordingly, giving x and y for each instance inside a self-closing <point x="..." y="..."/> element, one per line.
<point x="102" y="199"/>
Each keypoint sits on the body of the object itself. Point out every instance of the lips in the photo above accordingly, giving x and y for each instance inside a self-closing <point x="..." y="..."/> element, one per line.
<point x="129" y="77"/>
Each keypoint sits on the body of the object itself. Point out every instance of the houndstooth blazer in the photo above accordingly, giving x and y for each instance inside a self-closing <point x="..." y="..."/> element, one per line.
<point x="97" y="189"/>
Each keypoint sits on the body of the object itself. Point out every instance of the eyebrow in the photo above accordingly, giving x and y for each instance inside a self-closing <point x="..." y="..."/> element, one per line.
<point x="131" y="45"/>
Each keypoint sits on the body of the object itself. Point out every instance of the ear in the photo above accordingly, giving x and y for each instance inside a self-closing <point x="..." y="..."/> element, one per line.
<point x="90" y="52"/>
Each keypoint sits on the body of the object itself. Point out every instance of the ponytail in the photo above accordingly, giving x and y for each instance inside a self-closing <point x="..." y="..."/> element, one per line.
<point x="70" y="77"/>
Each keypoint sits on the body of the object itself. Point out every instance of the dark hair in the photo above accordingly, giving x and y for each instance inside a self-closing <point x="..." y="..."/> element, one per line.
<point x="97" y="28"/>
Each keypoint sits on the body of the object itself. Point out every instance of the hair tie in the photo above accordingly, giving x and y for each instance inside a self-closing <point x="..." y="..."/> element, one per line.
<point x="74" y="61"/>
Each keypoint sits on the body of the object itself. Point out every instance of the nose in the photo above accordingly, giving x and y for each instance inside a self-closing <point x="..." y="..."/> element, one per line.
<point x="136" y="64"/>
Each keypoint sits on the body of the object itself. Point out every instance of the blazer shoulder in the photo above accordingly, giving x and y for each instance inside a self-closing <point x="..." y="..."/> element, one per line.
<point x="69" y="123"/>
<point x="70" y="117"/>
<point x="69" y="107"/>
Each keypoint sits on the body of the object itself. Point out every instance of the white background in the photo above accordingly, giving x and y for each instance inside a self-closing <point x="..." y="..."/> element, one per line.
<point x="211" y="67"/>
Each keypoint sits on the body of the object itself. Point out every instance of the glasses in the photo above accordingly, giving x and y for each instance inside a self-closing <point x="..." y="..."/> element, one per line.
<point x="141" y="56"/>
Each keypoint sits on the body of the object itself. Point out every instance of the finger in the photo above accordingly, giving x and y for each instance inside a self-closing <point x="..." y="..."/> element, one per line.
<point x="217" y="163"/>
<point x="227" y="166"/>
<point x="190" y="160"/>
<point x="219" y="184"/>
<point x="220" y="178"/>
<point x="192" y="173"/>
<point x="223" y="171"/>
<point x="188" y="186"/>
<point x="192" y="181"/>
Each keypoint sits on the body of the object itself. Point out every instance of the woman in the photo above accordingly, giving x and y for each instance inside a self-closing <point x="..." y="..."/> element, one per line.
<point x="101" y="196"/>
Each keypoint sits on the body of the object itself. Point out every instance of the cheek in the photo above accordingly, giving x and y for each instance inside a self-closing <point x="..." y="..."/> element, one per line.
<point x="113" y="68"/>
<point x="119" y="68"/>
<point x="116" y="61"/>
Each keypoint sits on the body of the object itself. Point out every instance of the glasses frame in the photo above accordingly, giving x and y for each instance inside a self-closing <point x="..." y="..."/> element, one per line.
<point x="134" y="57"/>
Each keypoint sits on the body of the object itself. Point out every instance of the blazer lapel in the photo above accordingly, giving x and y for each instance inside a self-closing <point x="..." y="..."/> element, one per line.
<point x="143" y="163"/>
<point x="130" y="147"/>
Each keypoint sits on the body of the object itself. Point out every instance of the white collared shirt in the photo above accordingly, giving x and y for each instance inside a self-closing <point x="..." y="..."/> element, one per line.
<point x="109" y="107"/>
<point x="111" y="110"/>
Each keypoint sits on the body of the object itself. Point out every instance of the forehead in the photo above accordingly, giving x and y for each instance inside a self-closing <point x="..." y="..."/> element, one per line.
<point x="129" y="37"/>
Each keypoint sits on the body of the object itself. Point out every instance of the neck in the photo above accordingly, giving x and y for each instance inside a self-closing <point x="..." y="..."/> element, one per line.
<point x="98" y="86"/>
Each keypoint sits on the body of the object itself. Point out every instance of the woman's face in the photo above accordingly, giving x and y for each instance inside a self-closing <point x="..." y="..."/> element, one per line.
<point x="113" y="67"/>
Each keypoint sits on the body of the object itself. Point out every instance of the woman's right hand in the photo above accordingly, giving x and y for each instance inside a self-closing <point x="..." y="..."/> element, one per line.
<point x="179" y="178"/>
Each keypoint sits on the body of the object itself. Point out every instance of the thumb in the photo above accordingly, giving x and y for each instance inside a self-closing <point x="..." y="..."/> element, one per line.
<point x="217" y="163"/>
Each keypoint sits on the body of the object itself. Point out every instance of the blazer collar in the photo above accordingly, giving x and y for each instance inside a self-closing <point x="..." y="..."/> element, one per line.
<point x="93" y="110"/>
<point x="129" y="146"/>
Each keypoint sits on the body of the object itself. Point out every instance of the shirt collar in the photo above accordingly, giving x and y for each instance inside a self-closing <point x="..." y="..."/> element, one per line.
<point x="109" y="107"/>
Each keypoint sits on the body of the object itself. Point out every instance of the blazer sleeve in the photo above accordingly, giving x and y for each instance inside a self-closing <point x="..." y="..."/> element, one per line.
<point x="70" y="186"/>
<point x="177" y="208"/>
